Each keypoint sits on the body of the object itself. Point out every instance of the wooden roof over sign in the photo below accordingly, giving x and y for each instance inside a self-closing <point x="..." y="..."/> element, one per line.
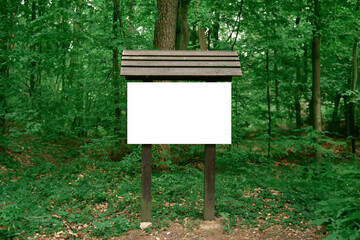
<point x="180" y="65"/>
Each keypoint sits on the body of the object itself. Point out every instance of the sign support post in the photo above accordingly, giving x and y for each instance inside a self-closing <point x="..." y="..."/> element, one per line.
<point x="146" y="183"/>
<point x="209" y="182"/>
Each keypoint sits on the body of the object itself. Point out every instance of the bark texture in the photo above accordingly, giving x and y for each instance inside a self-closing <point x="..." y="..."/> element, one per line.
<point x="316" y="78"/>
<point x="202" y="39"/>
<point x="182" y="26"/>
<point x="165" y="26"/>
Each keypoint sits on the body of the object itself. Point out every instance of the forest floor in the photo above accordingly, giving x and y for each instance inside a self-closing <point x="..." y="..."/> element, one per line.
<point x="176" y="231"/>
<point x="214" y="230"/>
<point x="205" y="230"/>
<point x="71" y="190"/>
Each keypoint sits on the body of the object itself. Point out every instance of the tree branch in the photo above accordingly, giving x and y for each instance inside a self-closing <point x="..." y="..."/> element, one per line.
<point x="238" y="26"/>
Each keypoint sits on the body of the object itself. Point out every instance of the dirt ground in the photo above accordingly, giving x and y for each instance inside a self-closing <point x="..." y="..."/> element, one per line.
<point x="214" y="230"/>
<point x="202" y="230"/>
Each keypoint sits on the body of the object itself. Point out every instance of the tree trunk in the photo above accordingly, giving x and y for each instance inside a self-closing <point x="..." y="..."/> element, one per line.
<point x="202" y="39"/>
<point x="193" y="36"/>
<point x="165" y="26"/>
<point x="334" y="125"/>
<point x="238" y="25"/>
<point x="130" y="26"/>
<point x="164" y="39"/>
<point x="298" y="93"/>
<point x="353" y="88"/>
<point x="182" y="26"/>
<point x="39" y="70"/>
<point x="316" y="79"/>
<point x="116" y="70"/>
<point x="276" y="75"/>
<point x="73" y="54"/>
<point x="4" y="39"/>
<point x="74" y="70"/>
<point x="299" y="72"/>
<point x="216" y="28"/>
<point x="268" y="102"/>
<point x="347" y="113"/>
<point x="352" y="102"/>
<point x="32" y="61"/>
<point x="209" y="39"/>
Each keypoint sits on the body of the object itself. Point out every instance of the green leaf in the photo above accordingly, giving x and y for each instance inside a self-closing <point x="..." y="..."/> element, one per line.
<point x="319" y="221"/>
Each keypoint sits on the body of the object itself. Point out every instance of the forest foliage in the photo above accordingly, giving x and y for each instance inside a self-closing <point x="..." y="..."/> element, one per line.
<point x="60" y="83"/>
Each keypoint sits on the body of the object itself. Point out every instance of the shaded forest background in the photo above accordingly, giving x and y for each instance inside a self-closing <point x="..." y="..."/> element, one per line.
<point x="60" y="61"/>
<point x="296" y="102"/>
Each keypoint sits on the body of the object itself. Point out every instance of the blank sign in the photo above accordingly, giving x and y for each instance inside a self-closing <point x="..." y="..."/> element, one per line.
<point x="179" y="113"/>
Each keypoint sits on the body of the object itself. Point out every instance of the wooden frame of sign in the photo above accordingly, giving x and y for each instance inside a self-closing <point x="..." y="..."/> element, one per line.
<point x="210" y="66"/>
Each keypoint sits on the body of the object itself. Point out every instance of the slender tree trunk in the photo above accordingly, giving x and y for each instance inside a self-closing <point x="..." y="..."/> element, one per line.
<point x="32" y="49"/>
<point x="334" y="125"/>
<point x="63" y="29"/>
<point x="316" y="79"/>
<point x="202" y="39"/>
<point x="131" y="29"/>
<point x="73" y="65"/>
<point x="116" y="70"/>
<point x="304" y="82"/>
<point x="209" y="39"/>
<point x="310" y="117"/>
<point x="74" y="68"/>
<point x="352" y="102"/>
<point x="353" y="88"/>
<point x="39" y="69"/>
<point x="268" y="102"/>
<point x="216" y="28"/>
<point x="298" y="93"/>
<point x="347" y="113"/>
<point x="276" y="73"/>
<point x="238" y="25"/>
<point x="310" y="120"/>
<point x="4" y="72"/>
<point x="193" y="36"/>
<point x="299" y="77"/>
<point x="306" y="69"/>
<point x="182" y="26"/>
<point x="165" y="26"/>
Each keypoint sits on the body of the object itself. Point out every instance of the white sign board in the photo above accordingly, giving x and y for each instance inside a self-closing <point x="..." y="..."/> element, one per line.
<point x="179" y="113"/>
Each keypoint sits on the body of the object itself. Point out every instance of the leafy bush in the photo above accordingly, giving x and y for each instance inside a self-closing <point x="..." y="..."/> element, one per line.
<point x="342" y="217"/>
<point x="340" y="213"/>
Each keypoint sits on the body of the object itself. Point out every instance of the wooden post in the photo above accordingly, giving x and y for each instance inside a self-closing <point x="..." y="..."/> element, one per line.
<point x="209" y="182"/>
<point x="146" y="183"/>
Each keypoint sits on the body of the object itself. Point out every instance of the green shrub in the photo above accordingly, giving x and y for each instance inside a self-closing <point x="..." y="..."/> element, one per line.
<point x="342" y="217"/>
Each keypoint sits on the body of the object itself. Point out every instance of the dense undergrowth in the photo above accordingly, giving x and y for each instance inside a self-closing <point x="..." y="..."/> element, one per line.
<point x="47" y="188"/>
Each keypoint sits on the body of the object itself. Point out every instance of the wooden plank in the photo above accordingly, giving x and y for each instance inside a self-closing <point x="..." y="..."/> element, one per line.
<point x="162" y="71"/>
<point x="181" y="78"/>
<point x="146" y="183"/>
<point x="180" y="58"/>
<point x="128" y="63"/>
<point x="209" y="182"/>
<point x="178" y="53"/>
